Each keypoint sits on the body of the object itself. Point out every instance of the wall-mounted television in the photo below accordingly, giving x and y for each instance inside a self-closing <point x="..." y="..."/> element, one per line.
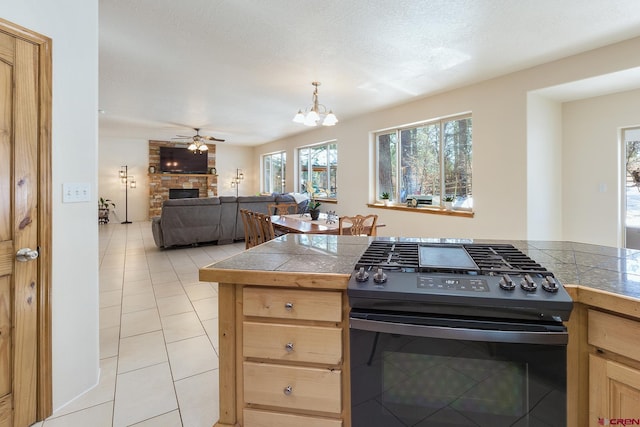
<point x="182" y="160"/>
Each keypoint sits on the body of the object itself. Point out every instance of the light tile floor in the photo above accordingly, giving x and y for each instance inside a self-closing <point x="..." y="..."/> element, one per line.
<point x="158" y="336"/>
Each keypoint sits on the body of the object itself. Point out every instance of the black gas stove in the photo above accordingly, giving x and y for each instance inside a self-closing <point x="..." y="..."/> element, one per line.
<point x="470" y="333"/>
<point x="466" y="279"/>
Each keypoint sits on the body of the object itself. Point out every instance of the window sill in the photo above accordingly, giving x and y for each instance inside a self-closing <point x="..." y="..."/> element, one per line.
<point x="423" y="210"/>
<point x="328" y="201"/>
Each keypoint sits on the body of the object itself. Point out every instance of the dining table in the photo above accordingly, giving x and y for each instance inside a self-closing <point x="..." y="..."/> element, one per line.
<point x="303" y="224"/>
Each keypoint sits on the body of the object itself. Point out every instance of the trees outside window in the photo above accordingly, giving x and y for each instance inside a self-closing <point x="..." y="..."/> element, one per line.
<point x="318" y="164"/>
<point x="273" y="172"/>
<point x="430" y="161"/>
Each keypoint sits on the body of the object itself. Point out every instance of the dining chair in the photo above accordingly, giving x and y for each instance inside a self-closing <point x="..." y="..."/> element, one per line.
<point x="265" y="227"/>
<point x="358" y="225"/>
<point x="252" y="228"/>
<point x="283" y="208"/>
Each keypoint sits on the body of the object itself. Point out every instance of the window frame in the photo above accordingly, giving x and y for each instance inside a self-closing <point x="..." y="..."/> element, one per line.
<point x="331" y="175"/>
<point x="263" y="176"/>
<point x="396" y="132"/>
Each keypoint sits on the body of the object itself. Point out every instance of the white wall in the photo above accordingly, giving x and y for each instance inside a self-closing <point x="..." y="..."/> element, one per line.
<point x="73" y="27"/>
<point x="592" y="172"/>
<point x="493" y="179"/>
<point x="510" y="194"/>
<point x="229" y="158"/>
<point x="544" y="174"/>
<point x="131" y="203"/>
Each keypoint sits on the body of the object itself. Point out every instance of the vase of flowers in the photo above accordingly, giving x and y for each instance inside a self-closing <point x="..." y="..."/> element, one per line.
<point x="314" y="206"/>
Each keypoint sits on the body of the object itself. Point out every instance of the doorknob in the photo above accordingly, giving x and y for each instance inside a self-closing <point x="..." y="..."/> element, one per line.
<point x="26" y="254"/>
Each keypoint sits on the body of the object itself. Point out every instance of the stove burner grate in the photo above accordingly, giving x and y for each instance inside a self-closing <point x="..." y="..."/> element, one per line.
<point x="393" y="256"/>
<point x="490" y="259"/>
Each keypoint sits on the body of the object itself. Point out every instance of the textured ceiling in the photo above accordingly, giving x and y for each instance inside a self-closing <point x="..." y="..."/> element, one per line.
<point x="240" y="69"/>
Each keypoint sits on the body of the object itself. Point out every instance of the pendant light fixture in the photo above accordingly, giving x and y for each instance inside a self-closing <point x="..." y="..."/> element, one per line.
<point x="316" y="113"/>
<point x="198" y="144"/>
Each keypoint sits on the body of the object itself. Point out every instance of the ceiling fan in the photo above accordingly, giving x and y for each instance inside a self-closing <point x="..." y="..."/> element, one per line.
<point x="198" y="142"/>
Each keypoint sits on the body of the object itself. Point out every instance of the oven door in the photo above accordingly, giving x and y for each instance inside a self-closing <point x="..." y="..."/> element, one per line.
<point x="436" y="371"/>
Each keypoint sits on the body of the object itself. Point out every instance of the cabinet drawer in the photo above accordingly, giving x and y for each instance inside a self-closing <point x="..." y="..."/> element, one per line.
<point x="292" y="304"/>
<point x="313" y="344"/>
<point x="256" y="418"/>
<point x="614" y="333"/>
<point x="293" y="387"/>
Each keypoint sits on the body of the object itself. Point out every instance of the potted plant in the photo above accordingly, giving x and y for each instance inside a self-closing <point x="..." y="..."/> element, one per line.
<point x="103" y="210"/>
<point x="385" y="198"/>
<point x="313" y="206"/>
<point x="448" y="202"/>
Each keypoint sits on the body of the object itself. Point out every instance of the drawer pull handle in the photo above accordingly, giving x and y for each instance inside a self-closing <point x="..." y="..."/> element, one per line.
<point x="289" y="346"/>
<point x="288" y="306"/>
<point x="288" y="390"/>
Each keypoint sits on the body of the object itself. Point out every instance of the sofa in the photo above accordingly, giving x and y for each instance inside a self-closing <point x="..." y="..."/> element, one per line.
<point x="194" y="221"/>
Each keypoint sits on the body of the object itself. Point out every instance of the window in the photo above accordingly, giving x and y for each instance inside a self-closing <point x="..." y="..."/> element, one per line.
<point x="429" y="162"/>
<point x="274" y="168"/>
<point x="319" y="165"/>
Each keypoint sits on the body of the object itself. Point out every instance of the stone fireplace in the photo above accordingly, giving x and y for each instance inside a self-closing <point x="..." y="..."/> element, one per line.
<point x="160" y="184"/>
<point x="184" y="193"/>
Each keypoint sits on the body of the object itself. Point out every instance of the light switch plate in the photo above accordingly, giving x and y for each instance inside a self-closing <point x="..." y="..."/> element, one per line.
<point x="76" y="192"/>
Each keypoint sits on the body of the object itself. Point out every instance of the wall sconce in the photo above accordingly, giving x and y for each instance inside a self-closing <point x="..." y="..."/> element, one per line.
<point x="235" y="182"/>
<point x="129" y="182"/>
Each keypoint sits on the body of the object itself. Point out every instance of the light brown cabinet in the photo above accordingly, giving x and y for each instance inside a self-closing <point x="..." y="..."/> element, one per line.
<point x="614" y="367"/>
<point x="292" y="357"/>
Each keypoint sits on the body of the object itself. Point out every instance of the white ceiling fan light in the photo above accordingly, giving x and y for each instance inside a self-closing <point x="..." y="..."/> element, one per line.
<point x="198" y="142"/>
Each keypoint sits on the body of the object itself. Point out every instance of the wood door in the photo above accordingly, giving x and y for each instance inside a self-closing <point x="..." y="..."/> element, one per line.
<point x="614" y="391"/>
<point x="25" y="394"/>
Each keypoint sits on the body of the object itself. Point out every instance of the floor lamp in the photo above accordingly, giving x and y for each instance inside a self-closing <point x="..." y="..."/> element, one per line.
<point x="128" y="181"/>
<point x="235" y="182"/>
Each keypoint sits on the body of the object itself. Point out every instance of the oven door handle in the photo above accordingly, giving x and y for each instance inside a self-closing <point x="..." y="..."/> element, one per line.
<point x="465" y="334"/>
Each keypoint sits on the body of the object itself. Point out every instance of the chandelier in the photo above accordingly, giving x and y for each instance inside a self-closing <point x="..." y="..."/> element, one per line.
<point x="198" y="144"/>
<point x="316" y="112"/>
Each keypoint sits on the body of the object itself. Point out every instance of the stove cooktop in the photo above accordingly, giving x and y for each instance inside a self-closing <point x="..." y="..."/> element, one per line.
<point x="464" y="258"/>
<point x="470" y="279"/>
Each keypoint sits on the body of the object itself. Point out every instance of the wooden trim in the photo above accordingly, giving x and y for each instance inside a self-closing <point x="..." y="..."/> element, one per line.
<point x="577" y="368"/>
<point x="346" y="362"/>
<point x="275" y="278"/>
<point x="424" y="210"/>
<point x="239" y="354"/>
<point x="44" y="375"/>
<point x="227" y="352"/>
<point x="23" y="33"/>
<point x="620" y="304"/>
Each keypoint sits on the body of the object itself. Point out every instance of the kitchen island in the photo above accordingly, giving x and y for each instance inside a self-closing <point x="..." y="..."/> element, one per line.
<point x="296" y="285"/>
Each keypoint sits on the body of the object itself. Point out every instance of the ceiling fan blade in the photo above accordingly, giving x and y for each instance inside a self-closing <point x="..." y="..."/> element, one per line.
<point x="211" y="138"/>
<point x="197" y="137"/>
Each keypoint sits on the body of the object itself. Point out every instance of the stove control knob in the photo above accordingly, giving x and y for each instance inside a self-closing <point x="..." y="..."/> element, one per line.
<point x="550" y="284"/>
<point x="506" y="283"/>
<point x="379" y="276"/>
<point x="528" y="284"/>
<point x="361" y="275"/>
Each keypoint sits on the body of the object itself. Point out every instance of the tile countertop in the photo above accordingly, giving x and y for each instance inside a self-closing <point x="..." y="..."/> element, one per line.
<point x="600" y="268"/>
<point x="293" y="260"/>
